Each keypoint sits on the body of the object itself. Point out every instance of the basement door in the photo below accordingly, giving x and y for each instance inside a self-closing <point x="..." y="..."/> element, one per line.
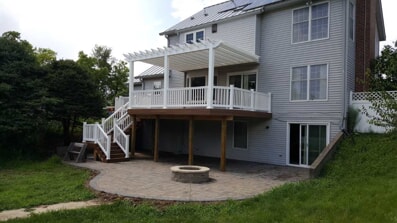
<point x="306" y="142"/>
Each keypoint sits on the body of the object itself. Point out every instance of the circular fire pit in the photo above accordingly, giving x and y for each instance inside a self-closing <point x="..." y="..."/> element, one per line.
<point x="190" y="174"/>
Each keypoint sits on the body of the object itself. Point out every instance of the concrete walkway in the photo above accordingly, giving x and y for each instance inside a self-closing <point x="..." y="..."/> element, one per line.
<point x="142" y="178"/>
<point x="24" y="213"/>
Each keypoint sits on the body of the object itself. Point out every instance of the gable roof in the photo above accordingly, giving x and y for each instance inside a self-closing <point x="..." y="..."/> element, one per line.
<point x="219" y="12"/>
<point x="152" y="72"/>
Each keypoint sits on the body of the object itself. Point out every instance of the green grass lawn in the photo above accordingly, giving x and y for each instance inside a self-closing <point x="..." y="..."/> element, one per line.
<point x="359" y="185"/>
<point x="26" y="184"/>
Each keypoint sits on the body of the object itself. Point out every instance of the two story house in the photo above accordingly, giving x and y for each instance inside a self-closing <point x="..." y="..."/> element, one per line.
<point x="257" y="80"/>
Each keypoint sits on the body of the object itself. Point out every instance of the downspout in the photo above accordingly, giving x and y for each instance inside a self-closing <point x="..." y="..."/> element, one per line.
<point x="364" y="45"/>
<point x="346" y="45"/>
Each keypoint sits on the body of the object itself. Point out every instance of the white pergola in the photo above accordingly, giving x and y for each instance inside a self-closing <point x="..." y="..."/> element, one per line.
<point x="183" y="57"/>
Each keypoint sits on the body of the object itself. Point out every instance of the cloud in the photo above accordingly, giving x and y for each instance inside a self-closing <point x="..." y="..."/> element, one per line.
<point x="7" y="21"/>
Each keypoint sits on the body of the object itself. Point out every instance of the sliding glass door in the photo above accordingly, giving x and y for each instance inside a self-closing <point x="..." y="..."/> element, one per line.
<point x="306" y="142"/>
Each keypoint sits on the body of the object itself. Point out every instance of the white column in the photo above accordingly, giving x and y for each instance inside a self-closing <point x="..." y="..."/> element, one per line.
<point x="131" y="84"/>
<point x="166" y="79"/>
<point x="211" y="61"/>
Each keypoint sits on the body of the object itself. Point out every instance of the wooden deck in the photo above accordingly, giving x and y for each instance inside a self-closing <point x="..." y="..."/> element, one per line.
<point x="198" y="114"/>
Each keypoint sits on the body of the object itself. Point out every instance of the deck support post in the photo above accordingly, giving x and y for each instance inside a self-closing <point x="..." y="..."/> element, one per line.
<point x="133" y="137"/>
<point x="131" y="84"/>
<point x="191" y="129"/>
<point x="223" y="144"/>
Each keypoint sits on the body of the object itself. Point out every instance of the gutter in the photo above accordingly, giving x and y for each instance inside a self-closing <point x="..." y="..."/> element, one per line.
<point x="346" y="44"/>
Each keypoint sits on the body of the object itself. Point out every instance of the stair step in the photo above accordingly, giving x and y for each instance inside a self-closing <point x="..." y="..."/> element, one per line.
<point x="116" y="154"/>
<point x="116" y="160"/>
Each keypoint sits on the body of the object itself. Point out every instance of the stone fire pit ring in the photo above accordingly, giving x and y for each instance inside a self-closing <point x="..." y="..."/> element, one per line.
<point x="190" y="174"/>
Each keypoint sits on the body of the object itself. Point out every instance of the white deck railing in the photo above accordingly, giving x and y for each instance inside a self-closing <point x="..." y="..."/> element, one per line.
<point x="108" y="123"/>
<point x="100" y="133"/>
<point x="122" y="139"/>
<point x="119" y="102"/>
<point x="223" y="97"/>
<point x="95" y="133"/>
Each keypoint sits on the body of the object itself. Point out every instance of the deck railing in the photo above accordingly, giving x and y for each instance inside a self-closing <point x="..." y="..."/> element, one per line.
<point x="100" y="133"/>
<point x="122" y="139"/>
<point x="223" y="97"/>
<point x="108" y="123"/>
<point x="95" y="133"/>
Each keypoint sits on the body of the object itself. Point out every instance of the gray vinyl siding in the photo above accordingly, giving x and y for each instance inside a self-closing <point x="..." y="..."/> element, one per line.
<point x="148" y="84"/>
<point x="267" y="140"/>
<point x="238" y="32"/>
<point x="177" y="79"/>
<point x="169" y="141"/>
<point x="207" y="140"/>
<point x="173" y="40"/>
<point x="279" y="55"/>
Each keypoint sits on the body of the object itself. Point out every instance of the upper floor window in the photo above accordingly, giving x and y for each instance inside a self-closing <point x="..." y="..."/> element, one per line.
<point x="351" y="20"/>
<point x="194" y="36"/>
<point x="310" y="23"/>
<point x="309" y="82"/>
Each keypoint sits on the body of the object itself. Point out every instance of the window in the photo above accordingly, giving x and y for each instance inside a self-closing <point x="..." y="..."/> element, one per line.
<point x="310" y="23"/>
<point x="197" y="81"/>
<point x="240" y="135"/>
<point x="156" y="87"/>
<point x="194" y="36"/>
<point x="351" y="20"/>
<point x="244" y="81"/>
<point x="309" y="82"/>
<point x="214" y="28"/>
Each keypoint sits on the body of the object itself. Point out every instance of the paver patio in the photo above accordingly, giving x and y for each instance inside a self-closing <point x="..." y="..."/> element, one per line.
<point x="143" y="178"/>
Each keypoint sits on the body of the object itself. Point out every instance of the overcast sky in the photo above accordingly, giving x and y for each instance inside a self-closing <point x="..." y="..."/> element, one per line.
<point x="68" y="27"/>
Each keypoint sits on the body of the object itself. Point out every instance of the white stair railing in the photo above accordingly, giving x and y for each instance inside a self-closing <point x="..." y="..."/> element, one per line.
<point x="90" y="132"/>
<point x="125" y="122"/>
<point x="118" y="122"/>
<point x="122" y="139"/>
<point x="101" y="138"/>
<point x="107" y="124"/>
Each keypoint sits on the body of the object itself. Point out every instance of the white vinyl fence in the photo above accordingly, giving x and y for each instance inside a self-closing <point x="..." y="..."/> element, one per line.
<point x="360" y="101"/>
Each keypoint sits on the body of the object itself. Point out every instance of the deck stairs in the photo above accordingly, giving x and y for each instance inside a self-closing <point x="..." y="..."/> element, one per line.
<point x="110" y="140"/>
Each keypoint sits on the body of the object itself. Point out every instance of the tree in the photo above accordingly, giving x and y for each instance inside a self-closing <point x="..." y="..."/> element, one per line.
<point x="109" y="74"/>
<point x="22" y="93"/>
<point x="45" y="56"/>
<point x="383" y="79"/>
<point x="74" y="96"/>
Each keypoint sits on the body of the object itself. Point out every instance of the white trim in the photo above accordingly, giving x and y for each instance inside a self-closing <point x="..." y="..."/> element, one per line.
<point x="194" y="35"/>
<point x="309" y="39"/>
<point x="308" y="123"/>
<point x="184" y="57"/>
<point x="354" y="20"/>
<point x="240" y="148"/>
<point x="241" y="73"/>
<point x="308" y="83"/>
